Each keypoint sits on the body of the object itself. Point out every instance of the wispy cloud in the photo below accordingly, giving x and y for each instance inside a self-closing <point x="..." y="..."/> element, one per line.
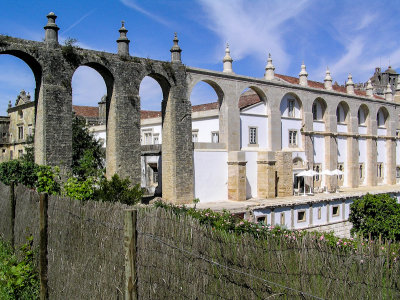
<point x="78" y="21"/>
<point x="133" y="5"/>
<point x="253" y="28"/>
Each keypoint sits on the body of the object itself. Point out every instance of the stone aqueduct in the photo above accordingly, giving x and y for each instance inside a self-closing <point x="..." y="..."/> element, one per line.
<point x="53" y="66"/>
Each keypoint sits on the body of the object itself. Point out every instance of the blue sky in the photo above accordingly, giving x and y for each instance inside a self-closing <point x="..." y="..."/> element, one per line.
<point x="348" y="36"/>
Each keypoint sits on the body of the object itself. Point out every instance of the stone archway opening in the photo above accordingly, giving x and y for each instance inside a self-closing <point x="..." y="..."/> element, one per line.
<point x="151" y="125"/>
<point x="20" y="86"/>
<point x="206" y="98"/>
<point x="253" y="131"/>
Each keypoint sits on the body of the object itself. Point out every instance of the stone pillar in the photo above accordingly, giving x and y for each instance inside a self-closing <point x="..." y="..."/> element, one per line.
<point x="51" y="29"/>
<point x="284" y="168"/>
<point x="266" y="174"/>
<point x="236" y="176"/>
<point x="53" y="128"/>
<point x="229" y="122"/>
<point x="352" y="172"/>
<point x="307" y="139"/>
<point x="274" y="130"/>
<point x="177" y="146"/>
<point x="371" y="152"/>
<point x="390" y="161"/>
<point x="331" y="151"/>
<point x="123" y="132"/>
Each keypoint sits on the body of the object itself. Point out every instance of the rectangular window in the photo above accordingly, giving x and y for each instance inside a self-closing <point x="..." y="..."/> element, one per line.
<point x="11" y="154"/>
<point x="361" y="171"/>
<point x="292" y="138"/>
<point x="335" y="211"/>
<point x="195" y="136"/>
<point x="30" y="130"/>
<point x="340" y="168"/>
<point x="20" y="153"/>
<point x="291" y="108"/>
<point x="215" y="137"/>
<point x="398" y="172"/>
<point x="319" y="213"/>
<point x="252" y="135"/>
<point x="282" y="218"/>
<point x="156" y="139"/>
<point x="379" y="170"/>
<point x="20" y="132"/>
<point x="301" y="216"/>
<point x="155" y="177"/>
<point x="314" y="111"/>
<point x="261" y="220"/>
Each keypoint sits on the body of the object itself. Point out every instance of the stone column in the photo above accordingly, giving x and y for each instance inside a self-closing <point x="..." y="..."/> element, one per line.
<point x="307" y="139"/>
<point x="331" y="151"/>
<point x="177" y="146"/>
<point x="390" y="161"/>
<point x="123" y="132"/>
<point x="352" y="173"/>
<point x="236" y="176"/>
<point x="274" y="130"/>
<point x="371" y="152"/>
<point x="229" y="122"/>
<point x="284" y="167"/>
<point x="266" y="174"/>
<point x="53" y="128"/>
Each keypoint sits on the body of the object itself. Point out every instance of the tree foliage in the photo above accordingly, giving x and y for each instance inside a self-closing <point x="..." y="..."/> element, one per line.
<point x="378" y="215"/>
<point x="87" y="153"/>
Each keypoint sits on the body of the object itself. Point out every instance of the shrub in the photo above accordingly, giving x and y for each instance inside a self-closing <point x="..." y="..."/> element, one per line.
<point x="47" y="180"/>
<point x="20" y="171"/>
<point x="80" y="189"/>
<point x="378" y="215"/>
<point x="18" y="277"/>
<point x="118" y="190"/>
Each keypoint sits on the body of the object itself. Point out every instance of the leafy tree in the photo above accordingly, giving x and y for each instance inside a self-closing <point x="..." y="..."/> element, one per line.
<point x="87" y="153"/>
<point x="376" y="215"/>
<point x="80" y="189"/>
<point x="118" y="190"/>
<point x="19" y="171"/>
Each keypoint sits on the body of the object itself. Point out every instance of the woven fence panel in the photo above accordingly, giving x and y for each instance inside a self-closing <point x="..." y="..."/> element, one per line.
<point x="5" y="212"/>
<point x="179" y="259"/>
<point x="85" y="249"/>
<point x="26" y="216"/>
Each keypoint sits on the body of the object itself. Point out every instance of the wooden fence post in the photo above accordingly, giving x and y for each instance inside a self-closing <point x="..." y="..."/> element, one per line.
<point x="43" y="262"/>
<point x="130" y="245"/>
<point x="12" y="206"/>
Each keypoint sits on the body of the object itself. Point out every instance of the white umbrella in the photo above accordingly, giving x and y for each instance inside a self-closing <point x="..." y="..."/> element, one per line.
<point x="308" y="173"/>
<point x="337" y="172"/>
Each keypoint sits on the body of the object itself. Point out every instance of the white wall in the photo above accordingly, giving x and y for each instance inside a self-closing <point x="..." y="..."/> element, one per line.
<point x="319" y="150"/>
<point x="341" y="128"/>
<point x="290" y="124"/>
<point x="251" y="175"/>
<point x="211" y="175"/>
<point x="362" y="129"/>
<point x="323" y="219"/>
<point x="288" y="216"/>
<point x="261" y="122"/>
<point x="398" y="152"/>
<point x="263" y="213"/>
<point x="381" y="149"/>
<point x="318" y="126"/>
<point x="154" y="129"/>
<point x="205" y="127"/>
<point x="257" y="109"/>
<point x="382" y="132"/>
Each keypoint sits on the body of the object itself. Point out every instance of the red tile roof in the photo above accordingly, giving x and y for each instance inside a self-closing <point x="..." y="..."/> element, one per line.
<point x="320" y="85"/>
<point x="86" y="111"/>
<point x="147" y="114"/>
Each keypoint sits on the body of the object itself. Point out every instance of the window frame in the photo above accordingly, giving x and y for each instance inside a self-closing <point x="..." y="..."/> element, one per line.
<point x="295" y="144"/>
<point x="255" y="128"/>
<point x="212" y="135"/>
<point x="291" y="108"/>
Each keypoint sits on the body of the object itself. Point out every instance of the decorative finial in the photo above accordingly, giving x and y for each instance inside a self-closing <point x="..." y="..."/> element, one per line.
<point x="51" y="29"/>
<point x="369" y="89"/>
<point x="303" y="75"/>
<point x="176" y="50"/>
<point x="227" y="60"/>
<point x="388" y="93"/>
<point x="269" y="69"/>
<point x="123" y="41"/>
<point x="328" y="80"/>
<point x="350" y="85"/>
